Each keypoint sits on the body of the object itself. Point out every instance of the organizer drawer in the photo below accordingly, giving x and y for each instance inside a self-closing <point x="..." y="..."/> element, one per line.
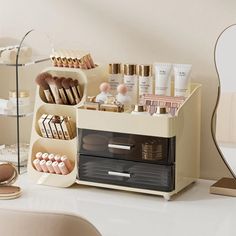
<point x="122" y="146"/>
<point x="127" y="173"/>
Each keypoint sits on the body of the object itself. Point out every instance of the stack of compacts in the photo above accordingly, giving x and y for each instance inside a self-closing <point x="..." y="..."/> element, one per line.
<point x="59" y="90"/>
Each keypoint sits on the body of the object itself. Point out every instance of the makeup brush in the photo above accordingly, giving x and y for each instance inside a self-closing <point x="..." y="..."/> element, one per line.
<point x="78" y="88"/>
<point x="66" y="85"/>
<point x="61" y="90"/>
<point x="53" y="87"/>
<point x="74" y="91"/>
<point x="40" y="80"/>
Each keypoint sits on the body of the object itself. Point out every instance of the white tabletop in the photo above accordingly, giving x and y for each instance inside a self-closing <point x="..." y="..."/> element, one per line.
<point x="193" y="212"/>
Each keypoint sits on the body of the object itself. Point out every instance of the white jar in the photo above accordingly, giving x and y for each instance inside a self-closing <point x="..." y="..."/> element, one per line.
<point x="23" y="98"/>
<point x="139" y="110"/>
<point x="145" y="80"/>
<point x="131" y="81"/>
<point x="115" y="77"/>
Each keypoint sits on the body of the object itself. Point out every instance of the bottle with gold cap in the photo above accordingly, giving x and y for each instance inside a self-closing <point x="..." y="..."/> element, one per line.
<point x="115" y="77"/>
<point x="139" y="110"/>
<point x="145" y="80"/>
<point x="161" y="111"/>
<point x="131" y="81"/>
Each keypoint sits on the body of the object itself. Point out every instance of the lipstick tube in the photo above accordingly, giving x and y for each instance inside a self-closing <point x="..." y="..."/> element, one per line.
<point x="63" y="168"/>
<point x="67" y="162"/>
<point x="39" y="155"/>
<point x="56" y="168"/>
<point x="45" y="156"/>
<point x="37" y="166"/>
<point x="50" y="167"/>
<point x="43" y="166"/>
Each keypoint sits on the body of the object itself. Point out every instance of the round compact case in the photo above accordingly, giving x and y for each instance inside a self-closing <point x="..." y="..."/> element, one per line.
<point x="8" y="176"/>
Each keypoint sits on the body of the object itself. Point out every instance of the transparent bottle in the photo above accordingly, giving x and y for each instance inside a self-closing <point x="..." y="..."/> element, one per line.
<point x="145" y="80"/>
<point x="161" y="111"/>
<point x="131" y="81"/>
<point x="139" y="110"/>
<point x="115" y="77"/>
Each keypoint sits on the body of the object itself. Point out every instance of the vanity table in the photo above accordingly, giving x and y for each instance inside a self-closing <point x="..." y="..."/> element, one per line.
<point x="117" y="213"/>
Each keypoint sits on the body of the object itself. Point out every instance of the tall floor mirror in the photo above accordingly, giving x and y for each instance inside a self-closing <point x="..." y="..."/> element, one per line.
<point x="224" y="133"/>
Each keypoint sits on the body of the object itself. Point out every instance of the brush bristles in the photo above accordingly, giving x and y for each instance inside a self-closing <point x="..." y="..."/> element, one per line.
<point x="76" y="82"/>
<point x="66" y="83"/>
<point x="50" y="80"/>
<point x="58" y="82"/>
<point x="72" y="83"/>
<point x="41" y="80"/>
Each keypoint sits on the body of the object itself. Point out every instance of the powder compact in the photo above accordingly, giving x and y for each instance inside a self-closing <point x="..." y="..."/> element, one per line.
<point x="8" y="176"/>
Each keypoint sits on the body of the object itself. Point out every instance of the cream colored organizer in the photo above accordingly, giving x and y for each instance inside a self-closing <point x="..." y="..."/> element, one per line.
<point x="185" y="126"/>
<point x="89" y="81"/>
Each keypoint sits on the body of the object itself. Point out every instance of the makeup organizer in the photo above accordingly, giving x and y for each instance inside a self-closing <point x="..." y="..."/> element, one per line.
<point x="114" y="149"/>
<point x="89" y="81"/>
<point x="146" y="154"/>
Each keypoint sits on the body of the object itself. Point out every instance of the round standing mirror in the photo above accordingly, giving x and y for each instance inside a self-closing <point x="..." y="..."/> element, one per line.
<point x="225" y="129"/>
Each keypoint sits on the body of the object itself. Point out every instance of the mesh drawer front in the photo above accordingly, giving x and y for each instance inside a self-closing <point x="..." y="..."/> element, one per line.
<point x="126" y="173"/>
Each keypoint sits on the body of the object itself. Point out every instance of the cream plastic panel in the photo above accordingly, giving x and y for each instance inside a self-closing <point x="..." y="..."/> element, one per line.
<point x="89" y="81"/>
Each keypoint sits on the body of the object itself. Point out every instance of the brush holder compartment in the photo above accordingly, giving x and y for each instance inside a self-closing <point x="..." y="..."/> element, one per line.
<point x="89" y="81"/>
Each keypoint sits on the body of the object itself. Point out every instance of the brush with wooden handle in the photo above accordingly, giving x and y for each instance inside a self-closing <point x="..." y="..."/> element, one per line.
<point x="66" y="86"/>
<point x="52" y="84"/>
<point x="74" y="90"/>
<point x="78" y="88"/>
<point x="41" y="81"/>
<point x="58" y="82"/>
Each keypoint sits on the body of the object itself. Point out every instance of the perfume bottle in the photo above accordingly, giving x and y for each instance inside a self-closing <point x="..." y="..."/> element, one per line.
<point x="131" y="81"/>
<point x="145" y="80"/>
<point x="115" y="77"/>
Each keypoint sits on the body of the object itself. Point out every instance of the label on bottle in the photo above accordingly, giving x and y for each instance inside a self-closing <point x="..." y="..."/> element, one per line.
<point x="114" y="80"/>
<point x="145" y="85"/>
<point x="131" y="82"/>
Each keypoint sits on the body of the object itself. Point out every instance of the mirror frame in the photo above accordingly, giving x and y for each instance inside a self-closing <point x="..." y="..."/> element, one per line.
<point x="214" y="116"/>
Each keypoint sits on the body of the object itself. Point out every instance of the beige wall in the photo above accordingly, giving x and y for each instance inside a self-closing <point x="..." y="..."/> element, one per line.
<point x="180" y="31"/>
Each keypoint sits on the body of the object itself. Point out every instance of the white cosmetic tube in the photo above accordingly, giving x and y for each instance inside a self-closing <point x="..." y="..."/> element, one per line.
<point x="162" y="79"/>
<point x="182" y="79"/>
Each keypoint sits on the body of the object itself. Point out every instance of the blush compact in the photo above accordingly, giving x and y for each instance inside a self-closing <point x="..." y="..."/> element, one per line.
<point x="8" y="176"/>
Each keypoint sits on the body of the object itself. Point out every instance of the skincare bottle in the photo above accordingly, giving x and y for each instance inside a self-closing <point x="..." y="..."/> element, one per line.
<point x="162" y="79"/>
<point x="182" y="79"/>
<point x="23" y="98"/>
<point x="145" y="80"/>
<point x="115" y="76"/>
<point x="131" y="81"/>
<point x="161" y="111"/>
<point x="139" y="110"/>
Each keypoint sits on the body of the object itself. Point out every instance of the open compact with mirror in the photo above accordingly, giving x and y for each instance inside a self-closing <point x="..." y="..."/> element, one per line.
<point x="8" y="176"/>
<point x="224" y="134"/>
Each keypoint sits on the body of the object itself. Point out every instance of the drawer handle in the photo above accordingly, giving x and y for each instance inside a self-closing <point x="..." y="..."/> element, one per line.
<point x="114" y="173"/>
<point x="124" y="147"/>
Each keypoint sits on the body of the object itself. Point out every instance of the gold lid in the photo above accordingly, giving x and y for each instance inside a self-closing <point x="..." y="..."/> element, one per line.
<point x="114" y="68"/>
<point x="139" y="108"/>
<point x="21" y="93"/>
<point x="130" y="69"/>
<point x="161" y="110"/>
<point x="91" y="98"/>
<point x="145" y="70"/>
